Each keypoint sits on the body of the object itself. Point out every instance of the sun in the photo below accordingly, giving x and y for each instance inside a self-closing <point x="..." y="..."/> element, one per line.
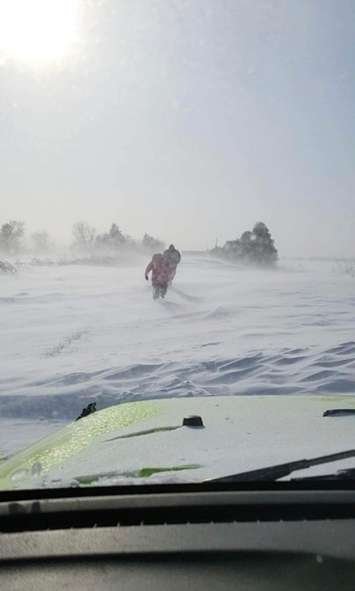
<point x="38" y="31"/>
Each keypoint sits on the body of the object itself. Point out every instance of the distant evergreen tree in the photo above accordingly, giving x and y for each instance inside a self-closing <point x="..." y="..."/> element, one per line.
<point x="113" y="240"/>
<point x="256" y="247"/>
<point x="264" y="251"/>
<point x="11" y="235"/>
<point x="116" y="238"/>
<point x="152" y="244"/>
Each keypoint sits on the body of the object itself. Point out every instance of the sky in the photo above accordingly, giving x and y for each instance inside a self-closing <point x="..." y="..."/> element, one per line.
<point x="188" y="119"/>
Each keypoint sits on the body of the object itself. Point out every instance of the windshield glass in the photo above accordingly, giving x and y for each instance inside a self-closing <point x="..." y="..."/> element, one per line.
<point x="177" y="271"/>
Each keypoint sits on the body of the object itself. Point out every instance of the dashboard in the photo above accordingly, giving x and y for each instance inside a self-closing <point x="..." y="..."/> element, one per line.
<point x="231" y="539"/>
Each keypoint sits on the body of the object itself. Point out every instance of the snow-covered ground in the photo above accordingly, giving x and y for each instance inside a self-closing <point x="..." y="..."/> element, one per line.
<point x="72" y="334"/>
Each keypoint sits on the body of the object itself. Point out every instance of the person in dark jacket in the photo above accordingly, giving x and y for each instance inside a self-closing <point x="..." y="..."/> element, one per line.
<point x="173" y="257"/>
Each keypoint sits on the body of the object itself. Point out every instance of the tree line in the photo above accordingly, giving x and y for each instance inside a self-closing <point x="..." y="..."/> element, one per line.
<point x="85" y="240"/>
<point x="253" y="247"/>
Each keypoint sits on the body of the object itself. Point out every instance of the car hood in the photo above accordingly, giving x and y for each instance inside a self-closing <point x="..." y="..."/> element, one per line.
<point x="148" y="442"/>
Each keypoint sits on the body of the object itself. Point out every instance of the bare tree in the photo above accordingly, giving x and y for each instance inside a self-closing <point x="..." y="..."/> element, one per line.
<point x="41" y="242"/>
<point x="84" y="236"/>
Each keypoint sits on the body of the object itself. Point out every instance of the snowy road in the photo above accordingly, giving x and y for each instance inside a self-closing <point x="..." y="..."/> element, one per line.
<point x="73" y="334"/>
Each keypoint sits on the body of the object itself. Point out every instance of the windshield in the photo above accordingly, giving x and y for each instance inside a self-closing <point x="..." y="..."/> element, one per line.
<point x="177" y="251"/>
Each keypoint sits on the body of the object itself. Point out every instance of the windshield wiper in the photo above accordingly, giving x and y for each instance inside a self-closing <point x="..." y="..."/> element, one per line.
<point x="271" y="473"/>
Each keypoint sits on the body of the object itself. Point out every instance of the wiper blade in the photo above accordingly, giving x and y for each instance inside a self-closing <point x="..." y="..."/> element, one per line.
<point x="277" y="471"/>
<point x="339" y="475"/>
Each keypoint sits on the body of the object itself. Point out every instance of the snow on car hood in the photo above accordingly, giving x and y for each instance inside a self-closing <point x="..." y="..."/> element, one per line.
<point x="147" y="442"/>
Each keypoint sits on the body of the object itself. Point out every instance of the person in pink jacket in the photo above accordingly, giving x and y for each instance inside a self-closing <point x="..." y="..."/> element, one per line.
<point x="159" y="267"/>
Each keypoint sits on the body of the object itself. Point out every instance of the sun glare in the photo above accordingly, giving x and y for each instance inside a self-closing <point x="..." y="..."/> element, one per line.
<point x="38" y="31"/>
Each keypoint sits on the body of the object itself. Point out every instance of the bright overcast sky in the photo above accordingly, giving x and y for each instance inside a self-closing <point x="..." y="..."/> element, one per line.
<point x="188" y="119"/>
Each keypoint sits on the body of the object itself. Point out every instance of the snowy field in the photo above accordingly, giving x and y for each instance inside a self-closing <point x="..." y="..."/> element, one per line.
<point x="73" y="334"/>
